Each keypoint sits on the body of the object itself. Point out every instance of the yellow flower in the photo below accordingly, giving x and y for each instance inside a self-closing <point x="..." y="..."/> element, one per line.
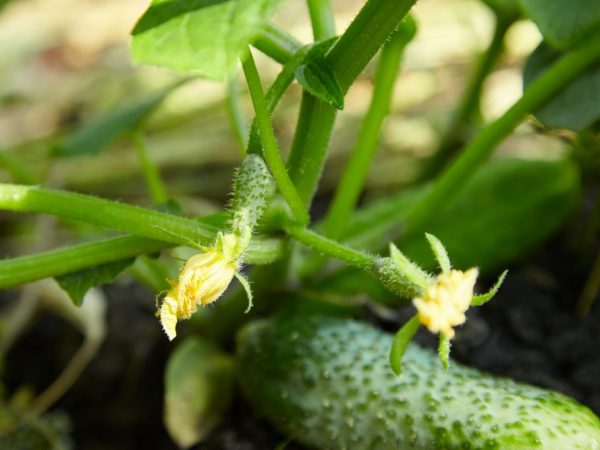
<point x="444" y="302"/>
<point x="202" y="280"/>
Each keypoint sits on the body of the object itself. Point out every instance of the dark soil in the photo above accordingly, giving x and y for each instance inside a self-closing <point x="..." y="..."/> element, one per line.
<point x="528" y="332"/>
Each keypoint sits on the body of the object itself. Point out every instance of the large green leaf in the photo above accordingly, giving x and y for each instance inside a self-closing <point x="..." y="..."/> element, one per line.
<point x="78" y="283"/>
<point x="95" y="136"/>
<point x="507" y="208"/>
<point x="578" y="105"/>
<point x="201" y="37"/>
<point x="198" y="389"/>
<point x="564" y="22"/>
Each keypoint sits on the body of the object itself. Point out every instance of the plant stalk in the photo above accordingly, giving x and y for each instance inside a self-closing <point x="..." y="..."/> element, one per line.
<point x="357" y="168"/>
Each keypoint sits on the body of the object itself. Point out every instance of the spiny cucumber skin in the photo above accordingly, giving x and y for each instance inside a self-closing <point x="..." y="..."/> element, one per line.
<point x="327" y="383"/>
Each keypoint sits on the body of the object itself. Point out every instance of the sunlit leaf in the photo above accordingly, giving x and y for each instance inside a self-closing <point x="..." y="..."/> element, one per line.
<point x="201" y="37"/>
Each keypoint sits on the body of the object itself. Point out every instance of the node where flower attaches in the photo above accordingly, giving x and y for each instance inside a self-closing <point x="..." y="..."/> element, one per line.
<point x="441" y="303"/>
<point x="205" y="276"/>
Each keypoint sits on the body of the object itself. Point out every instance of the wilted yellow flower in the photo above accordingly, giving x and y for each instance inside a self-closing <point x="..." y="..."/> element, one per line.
<point x="444" y="302"/>
<point x="202" y="280"/>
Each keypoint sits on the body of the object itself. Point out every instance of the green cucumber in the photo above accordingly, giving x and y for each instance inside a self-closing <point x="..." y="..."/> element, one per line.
<point x="327" y="383"/>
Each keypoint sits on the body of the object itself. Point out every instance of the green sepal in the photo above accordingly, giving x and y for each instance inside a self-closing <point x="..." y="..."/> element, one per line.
<point x="440" y="253"/>
<point x="481" y="299"/>
<point x="400" y="343"/>
<point x="395" y="279"/>
<point x="246" y="285"/>
<point x="444" y="351"/>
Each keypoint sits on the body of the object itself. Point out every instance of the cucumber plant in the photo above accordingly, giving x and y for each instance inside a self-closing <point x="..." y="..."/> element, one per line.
<point x="374" y="248"/>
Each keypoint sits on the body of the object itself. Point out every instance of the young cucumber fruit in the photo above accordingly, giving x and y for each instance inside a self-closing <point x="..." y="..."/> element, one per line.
<point x="326" y="382"/>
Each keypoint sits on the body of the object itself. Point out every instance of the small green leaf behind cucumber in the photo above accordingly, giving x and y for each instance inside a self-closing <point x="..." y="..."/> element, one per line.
<point x="327" y="383"/>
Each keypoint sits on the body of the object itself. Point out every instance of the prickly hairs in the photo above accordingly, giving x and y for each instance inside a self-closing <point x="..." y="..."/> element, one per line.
<point x="205" y="276"/>
<point x="326" y="382"/>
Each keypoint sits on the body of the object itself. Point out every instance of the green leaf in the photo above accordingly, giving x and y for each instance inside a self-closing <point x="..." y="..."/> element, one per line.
<point x="95" y="136"/>
<point x="509" y="206"/>
<point x="400" y="343"/>
<point x="78" y="283"/>
<point x="200" y="37"/>
<point x="316" y="76"/>
<point x="564" y="22"/>
<point x="481" y="299"/>
<point x="198" y="389"/>
<point x="578" y="105"/>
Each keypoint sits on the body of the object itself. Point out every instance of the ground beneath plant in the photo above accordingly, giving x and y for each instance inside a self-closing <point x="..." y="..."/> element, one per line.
<point x="530" y="332"/>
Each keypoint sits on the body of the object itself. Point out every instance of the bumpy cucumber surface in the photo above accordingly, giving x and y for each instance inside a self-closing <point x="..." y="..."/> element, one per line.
<point x="327" y="383"/>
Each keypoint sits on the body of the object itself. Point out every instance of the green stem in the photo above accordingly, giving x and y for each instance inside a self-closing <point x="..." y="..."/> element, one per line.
<point x="125" y="218"/>
<point x="357" y="169"/>
<point x="270" y="150"/>
<point x="276" y="43"/>
<point x="364" y="37"/>
<point x="347" y="58"/>
<point x="310" y="145"/>
<point x="469" y="107"/>
<point x="322" y="19"/>
<point x="274" y="94"/>
<point x="353" y="257"/>
<point x="237" y="116"/>
<point x="540" y="91"/>
<point x="53" y="263"/>
<point x="151" y="172"/>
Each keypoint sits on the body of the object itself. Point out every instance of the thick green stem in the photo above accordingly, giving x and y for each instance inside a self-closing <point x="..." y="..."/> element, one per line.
<point x="276" y="43"/>
<point x="540" y="91"/>
<point x="469" y="107"/>
<point x="53" y="263"/>
<point x="364" y="37"/>
<point x="270" y="151"/>
<point x="347" y="58"/>
<point x="332" y="248"/>
<point x="310" y="145"/>
<point x="151" y="172"/>
<point x="357" y="169"/>
<point x="125" y="218"/>
<point x="322" y="19"/>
